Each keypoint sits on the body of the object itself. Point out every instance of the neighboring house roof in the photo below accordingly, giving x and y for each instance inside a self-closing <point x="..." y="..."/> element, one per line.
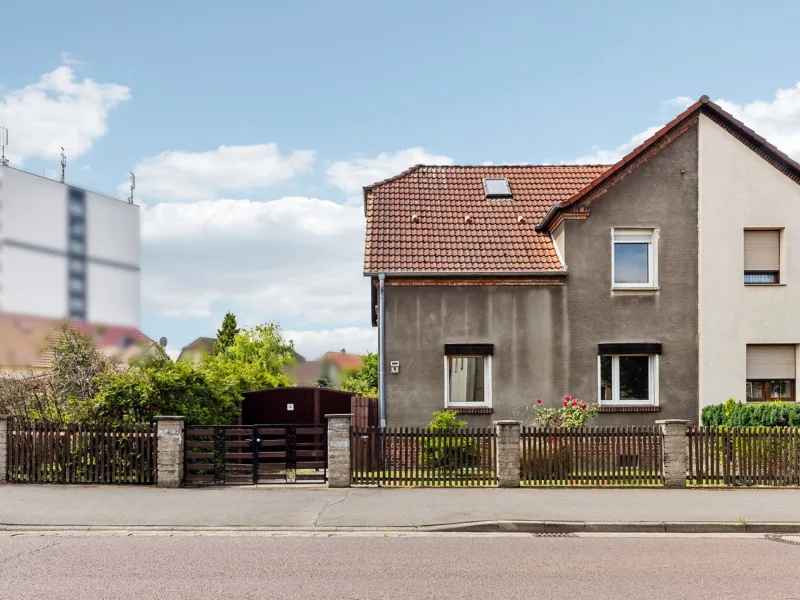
<point x="342" y="360"/>
<point x="24" y="340"/>
<point x="438" y="219"/>
<point x="203" y="344"/>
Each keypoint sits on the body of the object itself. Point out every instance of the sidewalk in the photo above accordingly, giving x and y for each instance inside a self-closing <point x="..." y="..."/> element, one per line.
<point x="312" y="508"/>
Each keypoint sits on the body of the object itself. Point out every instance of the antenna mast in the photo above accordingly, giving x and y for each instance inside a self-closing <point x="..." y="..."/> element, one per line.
<point x="3" y="144"/>
<point x="133" y="186"/>
<point x="63" y="164"/>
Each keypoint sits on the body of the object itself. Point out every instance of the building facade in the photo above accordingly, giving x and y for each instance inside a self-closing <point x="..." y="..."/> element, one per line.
<point x="66" y="252"/>
<point x="653" y="287"/>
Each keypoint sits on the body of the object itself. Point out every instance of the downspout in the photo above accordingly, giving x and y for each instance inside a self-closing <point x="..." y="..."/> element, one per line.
<point x="382" y="349"/>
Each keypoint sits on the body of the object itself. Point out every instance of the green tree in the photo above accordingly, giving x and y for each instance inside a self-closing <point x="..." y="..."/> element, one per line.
<point x="158" y="386"/>
<point x="323" y="382"/>
<point x="256" y="359"/>
<point x="363" y="380"/>
<point x="226" y="334"/>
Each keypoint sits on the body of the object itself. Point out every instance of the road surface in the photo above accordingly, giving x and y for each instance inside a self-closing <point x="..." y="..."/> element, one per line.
<point x="272" y="566"/>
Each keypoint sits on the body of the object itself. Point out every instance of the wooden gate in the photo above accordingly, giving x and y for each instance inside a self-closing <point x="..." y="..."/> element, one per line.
<point x="254" y="454"/>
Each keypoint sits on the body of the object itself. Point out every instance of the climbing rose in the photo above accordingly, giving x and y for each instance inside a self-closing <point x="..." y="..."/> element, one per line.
<point x="564" y="403"/>
<point x="538" y="401"/>
<point x="574" y="403"/>
<point x="567" y="397"/>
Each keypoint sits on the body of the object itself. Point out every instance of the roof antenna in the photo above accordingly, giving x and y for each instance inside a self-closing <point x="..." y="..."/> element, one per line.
<point x="63" y="164"/>
<point x="133" y="187"/>
<point x="3" y="144"/>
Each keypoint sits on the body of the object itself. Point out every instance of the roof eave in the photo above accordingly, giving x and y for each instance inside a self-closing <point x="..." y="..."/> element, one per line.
<point x="465" y="275"/>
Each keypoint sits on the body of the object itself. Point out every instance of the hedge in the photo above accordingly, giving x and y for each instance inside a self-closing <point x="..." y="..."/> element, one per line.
<point x="739" y="414"/>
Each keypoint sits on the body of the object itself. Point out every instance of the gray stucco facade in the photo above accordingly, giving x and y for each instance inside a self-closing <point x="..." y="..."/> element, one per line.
<point x="545" y="337"/>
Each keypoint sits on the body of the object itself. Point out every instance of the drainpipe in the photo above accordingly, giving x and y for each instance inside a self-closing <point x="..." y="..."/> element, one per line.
<point x="382" y="349"/>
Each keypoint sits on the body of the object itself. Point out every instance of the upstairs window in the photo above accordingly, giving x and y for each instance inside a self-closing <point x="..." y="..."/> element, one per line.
<point x="634" y="258"/>
<point x="762" y="256"/>
<point x="497" y="189"/>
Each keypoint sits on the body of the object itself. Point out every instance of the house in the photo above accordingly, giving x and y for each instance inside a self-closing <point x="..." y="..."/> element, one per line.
<point x="196" y="350"/>
<point x="24" y="342"/>
<point x="654" y="286"/>
<point x="330" y="365"/>
<point x="66" y="252"/>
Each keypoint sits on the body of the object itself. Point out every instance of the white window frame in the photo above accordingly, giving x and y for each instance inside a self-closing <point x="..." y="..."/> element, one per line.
<point x="615" y="401"/>
<point x="487" y="381"/>
<point x="625" y="235"/>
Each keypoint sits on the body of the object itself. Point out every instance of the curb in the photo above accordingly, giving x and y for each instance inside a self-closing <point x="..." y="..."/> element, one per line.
<point x="533" y="527"/>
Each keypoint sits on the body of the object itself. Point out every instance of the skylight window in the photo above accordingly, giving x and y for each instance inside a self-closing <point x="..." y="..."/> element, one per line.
<point x="497" y="188"/>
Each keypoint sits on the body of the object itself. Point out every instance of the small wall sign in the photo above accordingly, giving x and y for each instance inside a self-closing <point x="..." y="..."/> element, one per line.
<point x="290" y="407"/>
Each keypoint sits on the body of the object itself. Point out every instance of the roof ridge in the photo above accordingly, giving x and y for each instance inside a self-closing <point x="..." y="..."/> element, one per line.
<point x="393" y="178"/>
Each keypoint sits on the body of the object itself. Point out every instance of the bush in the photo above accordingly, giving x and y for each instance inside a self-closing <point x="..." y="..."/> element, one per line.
<point x="761" y="414"/>
<point x="452" y="452"/>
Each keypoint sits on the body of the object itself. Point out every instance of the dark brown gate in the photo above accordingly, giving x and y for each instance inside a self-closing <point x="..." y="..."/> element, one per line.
<point x="253" y="454"/>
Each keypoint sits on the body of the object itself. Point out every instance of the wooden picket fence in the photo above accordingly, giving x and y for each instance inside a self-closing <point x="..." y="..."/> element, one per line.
<point x="748" y="456"/>
<point x="408" y="456"/>
<point x="82" y="453"/>
<point x="592" y="456"/>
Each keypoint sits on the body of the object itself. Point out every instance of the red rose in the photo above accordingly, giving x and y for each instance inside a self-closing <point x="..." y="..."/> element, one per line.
<point x="566" y="397"/>
<point x="583" y="404"/>
<point x="574" y="403"/>
<point x="564" y="403"/>
<point x="538" y="401"/>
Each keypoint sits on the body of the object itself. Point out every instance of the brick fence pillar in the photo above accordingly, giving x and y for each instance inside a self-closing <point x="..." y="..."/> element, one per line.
<point x="170" y="451"/>
<point x="339" y="450"/>
<point x="4" y="441"/>
<point x="508" y="453"/>
<point x="674" y="452"/>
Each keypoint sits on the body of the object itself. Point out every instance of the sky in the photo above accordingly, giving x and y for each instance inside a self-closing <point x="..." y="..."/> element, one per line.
<point x="252" y="126"/>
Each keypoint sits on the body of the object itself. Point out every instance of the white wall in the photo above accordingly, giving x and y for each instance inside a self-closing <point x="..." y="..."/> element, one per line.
<point x="738" y="189"/>
<point x="113" y="295"/>
<point x="33" y="210"/>
<point x="33" y="283"/>
<point x="112" y="229"/>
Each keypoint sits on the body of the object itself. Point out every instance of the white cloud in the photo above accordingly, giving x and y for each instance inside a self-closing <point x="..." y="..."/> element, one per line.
<point x="59" y="110"/>
<point x="356" y="340"/>
<point x="777" y="120"/>
<point x="351" y="176"/>
<point x="680" y="102"/>
<point x="193" y="176"/>
<point x="293" y="258"/>
<point x="607" y="157"/>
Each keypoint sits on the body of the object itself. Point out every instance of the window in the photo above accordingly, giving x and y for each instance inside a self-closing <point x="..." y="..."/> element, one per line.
<point x="762" y="256"/>
<point x="76" y="266"/>
<point x="76" y="208"/>
<point x="468" y="375"/>
<point x="770" y="373"/>
<point x="76" y="247"/>
<point x="497" y="188"/>
<point x="634" y="258"/>
<point x="628" y="373"/>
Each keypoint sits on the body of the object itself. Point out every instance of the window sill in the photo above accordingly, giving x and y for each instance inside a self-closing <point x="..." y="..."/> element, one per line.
<point x="635" y="290"/>
<point x="629" y="408"/>
<point x="781" y="284"/>
<point x="471" y="410"/>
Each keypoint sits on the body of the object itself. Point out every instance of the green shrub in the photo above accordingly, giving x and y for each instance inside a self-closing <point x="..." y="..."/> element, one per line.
<point x="453" y="451"/>
<point x="763" y="414"/>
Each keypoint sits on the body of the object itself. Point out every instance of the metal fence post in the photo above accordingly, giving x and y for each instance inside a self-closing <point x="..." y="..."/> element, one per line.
<point x="170" y="451"/>
<point x="5" y="440"/>
<point x="339" y="458"/>
<point x="674" y="452"/>
<point x="508" y="453"/>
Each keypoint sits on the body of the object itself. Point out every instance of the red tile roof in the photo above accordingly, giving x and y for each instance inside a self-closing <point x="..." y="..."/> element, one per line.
<point x="433" y="219"/>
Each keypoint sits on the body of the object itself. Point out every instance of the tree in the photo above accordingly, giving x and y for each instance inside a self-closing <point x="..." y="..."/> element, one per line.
<point x="323" y="382"/>
<point x="76" y="365"/>
<point x="226" y="333"/>
<point x="363" y="380"/>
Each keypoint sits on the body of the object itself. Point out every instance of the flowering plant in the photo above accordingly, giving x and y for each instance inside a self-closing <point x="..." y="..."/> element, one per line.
<point x="572" y="413"/>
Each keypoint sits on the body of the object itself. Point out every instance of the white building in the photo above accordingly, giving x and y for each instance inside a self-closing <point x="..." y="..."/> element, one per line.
<point x="66" y="252"/>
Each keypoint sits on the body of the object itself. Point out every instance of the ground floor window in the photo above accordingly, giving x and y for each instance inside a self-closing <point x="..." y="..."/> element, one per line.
<point x="770" y="390"/>
<point x="770" y="372"/>
<point x="468" y="377"/>
<point x="628" y="378"/>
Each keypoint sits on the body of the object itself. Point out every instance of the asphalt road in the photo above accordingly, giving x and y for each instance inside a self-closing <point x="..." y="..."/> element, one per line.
<point x="389" y="566"/>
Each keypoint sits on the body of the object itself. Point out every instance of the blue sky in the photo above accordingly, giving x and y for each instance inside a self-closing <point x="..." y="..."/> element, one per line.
<point x="253" y="125"/>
